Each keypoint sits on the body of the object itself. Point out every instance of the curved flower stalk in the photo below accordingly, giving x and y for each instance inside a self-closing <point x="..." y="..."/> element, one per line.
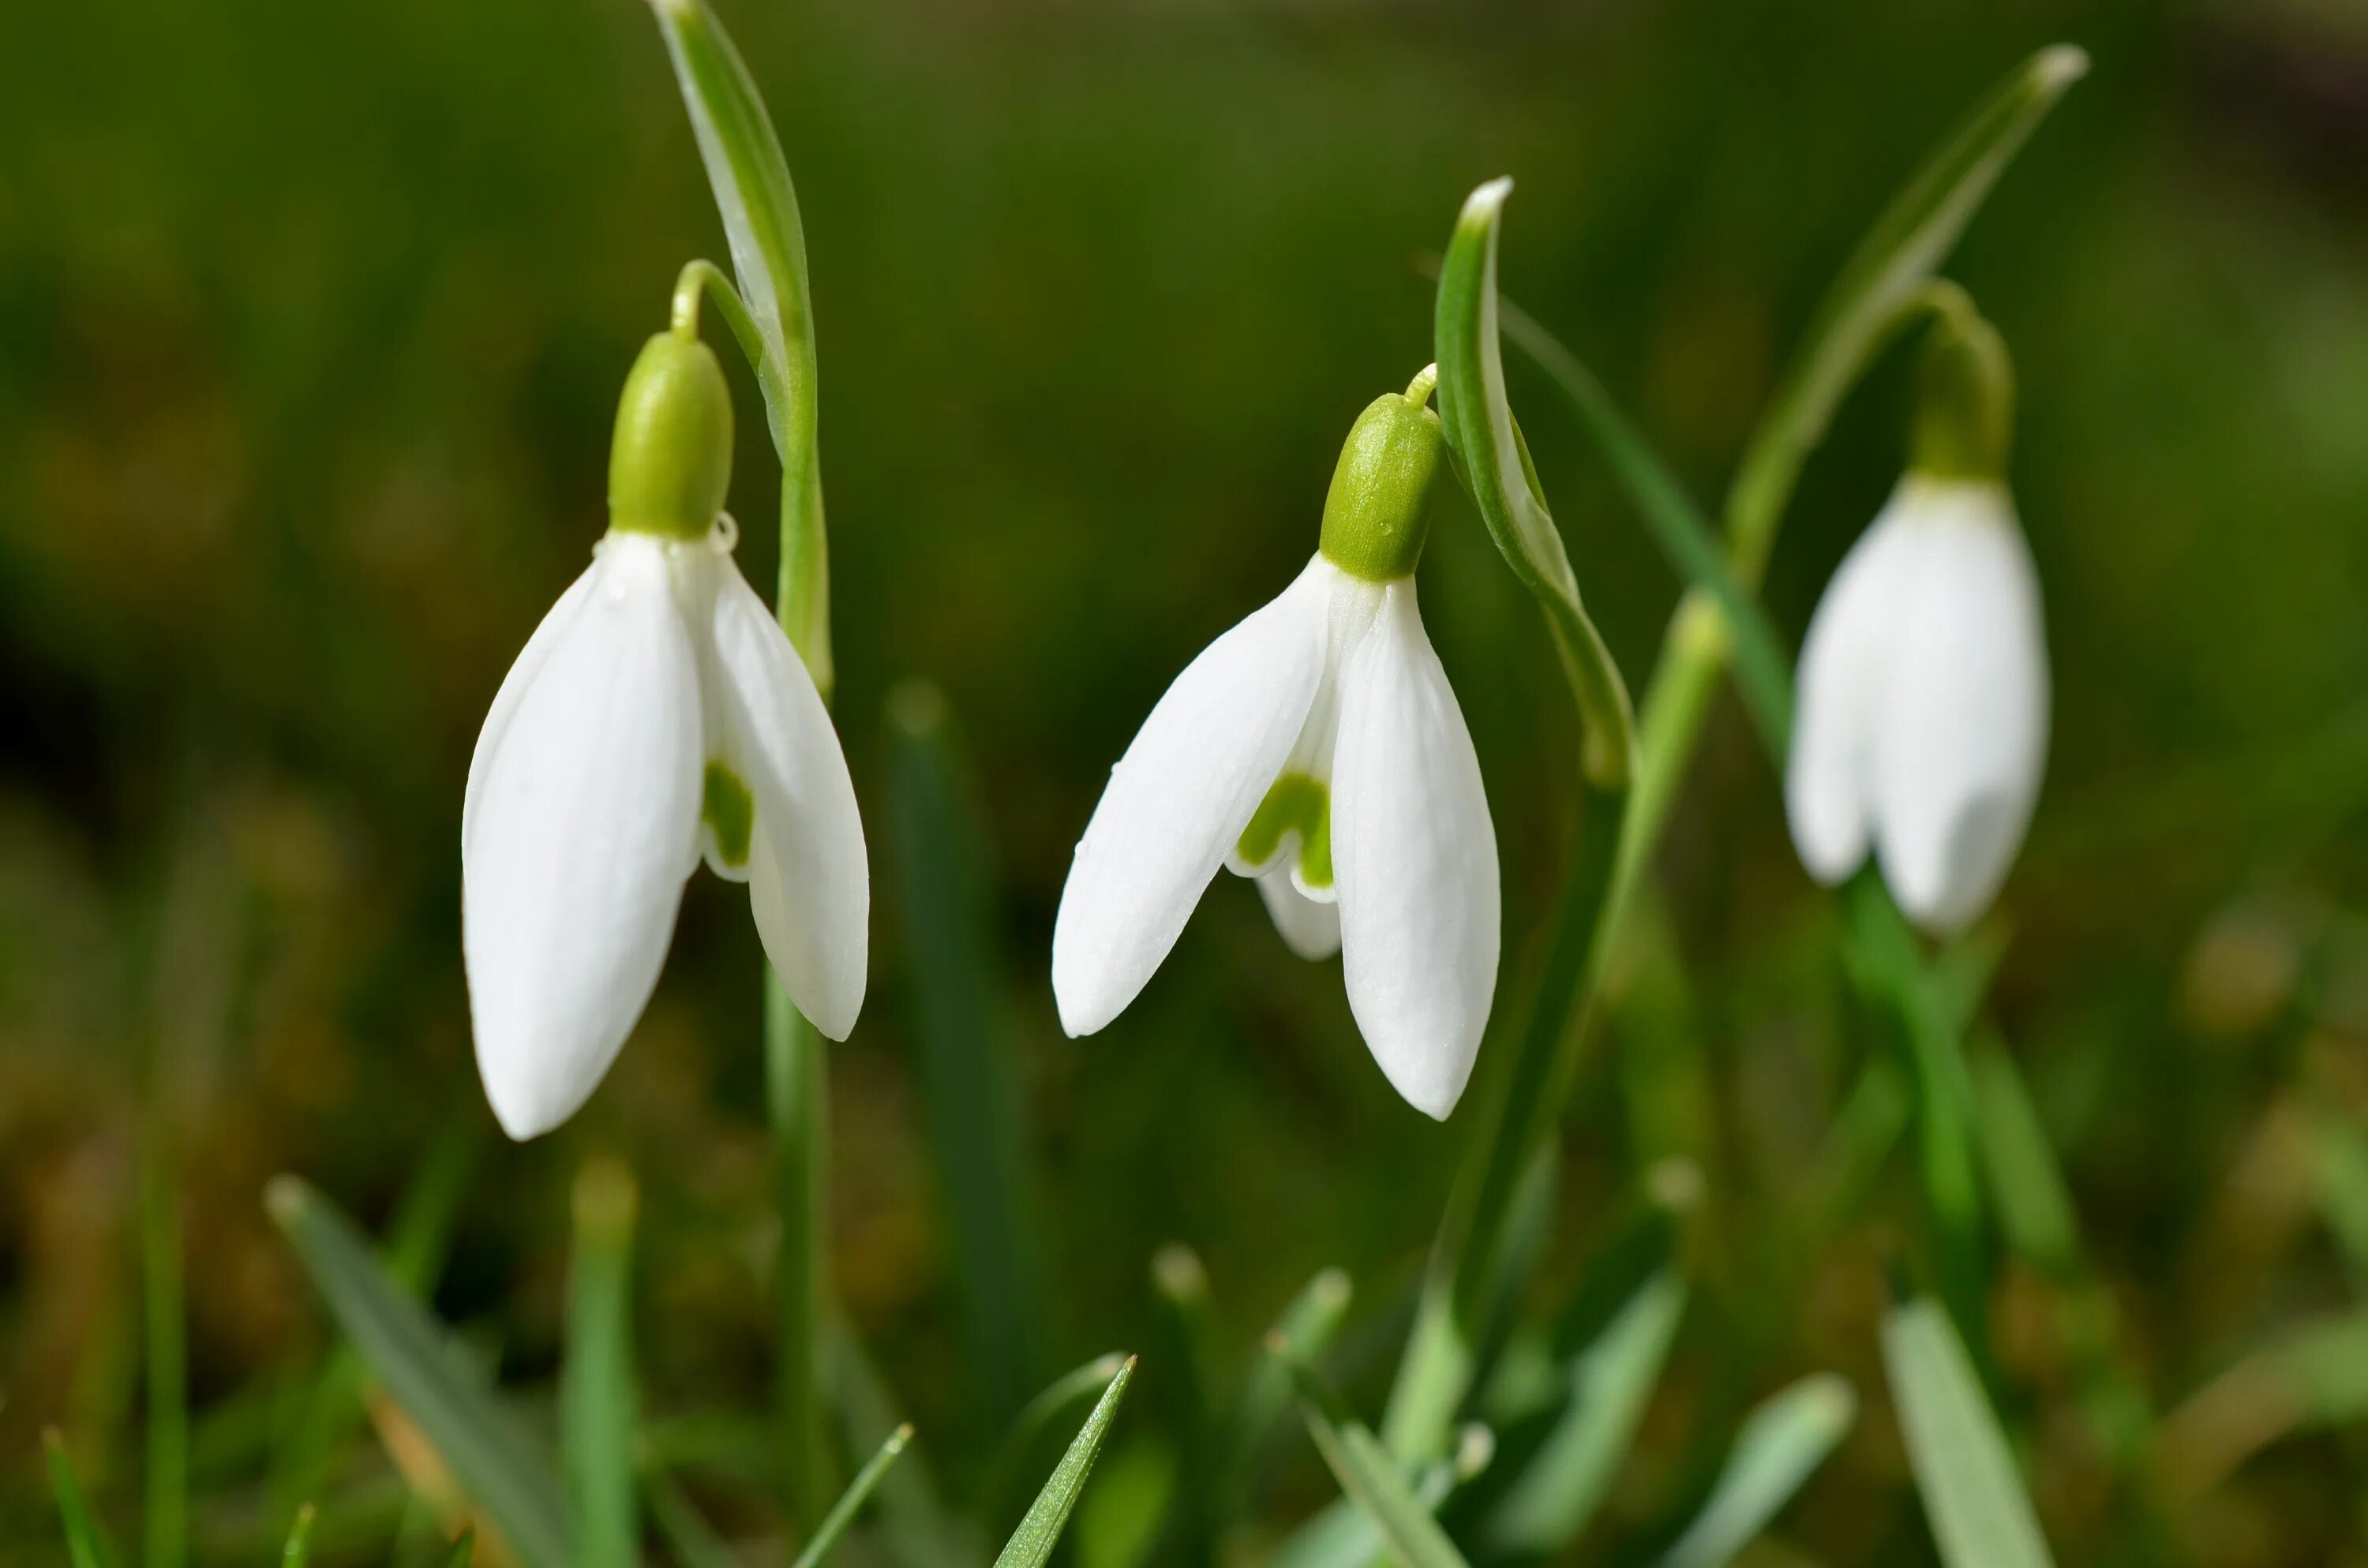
<point x="1922" y="730"/>
<point x="1318" y="748"/>
<point x="657" y="717"/>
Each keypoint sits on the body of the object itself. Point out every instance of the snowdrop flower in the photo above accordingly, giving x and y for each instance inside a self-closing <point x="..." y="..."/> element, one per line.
<point x="1922" y="729"/>
<point x="1316" y="747"/>
<point x="657" y="717"/>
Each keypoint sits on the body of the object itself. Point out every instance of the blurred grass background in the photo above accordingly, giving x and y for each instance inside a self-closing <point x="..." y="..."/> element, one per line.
<point x="311" y="321"/>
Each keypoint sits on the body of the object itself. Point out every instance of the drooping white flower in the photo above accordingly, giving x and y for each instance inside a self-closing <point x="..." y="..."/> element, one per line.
<point x="657" y="716"/>
<point x="1316" y="747"/>
<point x="1922" y="727"/>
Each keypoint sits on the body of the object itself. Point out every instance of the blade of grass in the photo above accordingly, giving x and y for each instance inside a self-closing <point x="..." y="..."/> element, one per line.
<point x="596" y="1400"/>
<point x="916" y="1530"/>
<point x="86" y="1543"/>
<point x="2312" y="1375"/>
<point x="498" y="1461"/>
<point x="851" y="1501"/>
<point x="1301" y="1335"/>
<point x="416" y="1243"/>
<point x="1040" y="1531"/>
<point x="1343" y="1535"/>
<point x="167" y="1536"/>
<point x="299" y="1550"/>
<point x="1611" y="1382"/>
<point x="1973" y="1496"/>
<point x="688" y="1535"/>
<point x="1369" y="1476"/>
<point x="968" y="1088"/>
<point x="462" y="1550"/>
<point x="1781" y="1446"/>
<point x="2035" y="1208"/>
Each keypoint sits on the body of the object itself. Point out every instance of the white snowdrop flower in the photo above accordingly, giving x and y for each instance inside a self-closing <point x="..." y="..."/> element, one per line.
<point x="657" y="716"/>
<point x="1922" y="724"/>
<point x="1316" y="747"/>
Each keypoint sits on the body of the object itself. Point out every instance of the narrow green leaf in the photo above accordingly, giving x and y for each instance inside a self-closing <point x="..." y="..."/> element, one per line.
<point x="1763" y="671"/>
<point x="969" y="1088"/>
<point x="2035" y="1206"/>
<point x="417" y="1240"/>
<point x="1301" y="1334"/>
<point x="1781" y="1444"/>
<point x="1973" y="1496"/>
<point x="2312" y="1375"/>
<point x="1494" y="463"/>
<point x="1878" y="285"/>
<point x="597" y="1405"/>
<point x="487" y="1450"/>
<point x="687" y="1535"/>
<point x="1369" y="1476"/>
<point x="1343" y="1535"/>
<point x="851" y="1501"/>
<point x="86" y="1541"/>
<point x="750" y="177"/>
<point x="1053" y="1401"/>
<point x="1033" y="1542"/>
<point x="1611" y="1382"/>
<point x="299" y="1550"/>
<point x="462" y="1550"/>
<point x="166" y="1537"/>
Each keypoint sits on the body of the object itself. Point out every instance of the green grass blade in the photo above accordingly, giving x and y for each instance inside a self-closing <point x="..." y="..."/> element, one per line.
<point x="167" y="1535"/>
<point x="1301" y="1335"/>
<point x="1343" y="1535"/>
<point x="968" y="1087"/>
<point x="462" y="1550"/>
<point x="1781" y="1446"/>
<point x="416" y="1243"/>
<point x="2313" y="1375"/>
<point x="1611" y="1382"/>
<point x="1040" y="1531"/>
<point x="1370" y="1477"/>
<point x="86" y="1543"/>
<point x="2035" y="1208"/>
<point x="750" y="177"/>
<point x="487" y="1450"/>
<point x="597" y="1405"/>
<point x="688" y="1536"/>
<point x="1684" y="533"/>
<point x="916" y="1528"/>
<point x="1973" y="1496"/>
<point x="851" y="1501"/>
<point x="299" y="1550"/>
<point x="1878" y="285"/>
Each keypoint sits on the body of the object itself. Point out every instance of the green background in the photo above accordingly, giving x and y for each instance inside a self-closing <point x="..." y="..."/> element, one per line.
<point x="311" y="321"/>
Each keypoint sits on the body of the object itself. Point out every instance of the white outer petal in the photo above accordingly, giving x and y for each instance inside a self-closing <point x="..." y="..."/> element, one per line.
<point x="1414" y="856"/>
<point x="548" y="634"/>
<point x="1310" y="927"/>
<point x="576" y="839"/>
<point x="809" y="881"/>
<point x="1180" y="797"/>
<point x="1829" y="775"/>
<point x="1963" y="721"/>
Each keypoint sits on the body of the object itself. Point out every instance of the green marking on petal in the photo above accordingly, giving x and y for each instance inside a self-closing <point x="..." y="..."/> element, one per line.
<point x="730" y="812"/>
<point x="1297" y="803"/>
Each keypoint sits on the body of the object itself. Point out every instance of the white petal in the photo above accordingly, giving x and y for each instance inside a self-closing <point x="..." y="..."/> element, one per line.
<point x="1829" y="776"/>
<point x="575" y="846"/>
<point x="1414" y="858"/>
<point x="1310" y="928"/>
<point x="809" y="881"/>
<point x="547" y="636"/>
<point x="1178" y="799"/>
<point x="1965" y="709"/>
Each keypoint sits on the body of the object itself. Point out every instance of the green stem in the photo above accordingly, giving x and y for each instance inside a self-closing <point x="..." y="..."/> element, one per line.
<point x="797" y="1110"/>
<point x="704" y="279"/>
<point x="167" y="1535"/>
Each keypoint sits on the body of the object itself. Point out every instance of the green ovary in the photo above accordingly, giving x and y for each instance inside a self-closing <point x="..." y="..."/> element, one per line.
<point x="1297" y="803"/>
<point x="729" y="812"/>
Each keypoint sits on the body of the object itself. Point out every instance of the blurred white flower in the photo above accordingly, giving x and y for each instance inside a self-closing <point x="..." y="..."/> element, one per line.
<point x="1317" y="747"/>
<point x="657" y="715"/>
<point x="1922" y="729"/>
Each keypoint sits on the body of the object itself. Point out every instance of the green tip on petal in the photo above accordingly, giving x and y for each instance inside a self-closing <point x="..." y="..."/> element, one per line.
<point x="1298" y="804"/>
<point x="670" y="463"/>
<point x="730" y="812"/>
<point x="1378" y="513"/>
